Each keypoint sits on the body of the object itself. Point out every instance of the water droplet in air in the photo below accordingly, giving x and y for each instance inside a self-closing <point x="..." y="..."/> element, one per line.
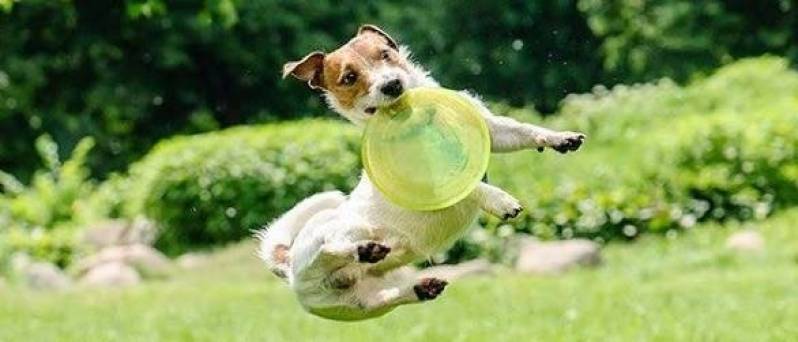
<point x="231" y="212"/>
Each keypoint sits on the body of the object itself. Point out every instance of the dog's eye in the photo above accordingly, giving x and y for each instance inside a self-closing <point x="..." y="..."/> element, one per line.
<point x="349" y="79"/>
<point x="385" y="54"/>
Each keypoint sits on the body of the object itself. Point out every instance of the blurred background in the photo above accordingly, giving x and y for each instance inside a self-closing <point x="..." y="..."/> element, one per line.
<point x="141" y="142"/>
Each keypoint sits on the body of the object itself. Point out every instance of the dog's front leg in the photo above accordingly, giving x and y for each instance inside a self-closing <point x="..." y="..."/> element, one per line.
<point x="496" y="201"/>
<point x="508" y="135"/>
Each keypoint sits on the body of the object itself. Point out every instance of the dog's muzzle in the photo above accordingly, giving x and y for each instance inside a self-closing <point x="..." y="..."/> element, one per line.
<point x="392" y="88"/>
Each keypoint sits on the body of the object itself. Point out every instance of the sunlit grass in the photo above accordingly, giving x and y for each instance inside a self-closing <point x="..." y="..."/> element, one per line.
<point x="683" y="288"/>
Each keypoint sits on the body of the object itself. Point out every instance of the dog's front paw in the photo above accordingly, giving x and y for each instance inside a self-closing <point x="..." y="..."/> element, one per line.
<point x="513" y="212"/>
<point x="504" y="207"/>
<point x="372" y="252"/>
<point x="429" y="288"/>
<point x="564" y="142"/>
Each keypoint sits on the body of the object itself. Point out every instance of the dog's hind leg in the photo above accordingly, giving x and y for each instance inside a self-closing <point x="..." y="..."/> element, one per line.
<point x="496" y="201"/>
<point x="343" y="252"/>
<point x="402" y="286"/>
<point x="340" y="263"/>
<point x="276" y="239"/>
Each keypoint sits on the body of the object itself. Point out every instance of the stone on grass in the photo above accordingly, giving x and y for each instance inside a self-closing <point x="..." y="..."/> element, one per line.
<point x="746" y="241"/>
<point x="19" y="262"/>
<point x="147" y="260"/>
<point x="45" y="276"/>
<point x="191" y="260"/>
<point x="538" y="257"/>
<point x="111" y="274"/>
<point x="119" y="232"/>
<point x="477" y="267"/>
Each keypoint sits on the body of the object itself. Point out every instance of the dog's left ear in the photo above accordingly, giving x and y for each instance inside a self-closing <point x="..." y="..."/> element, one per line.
<point x="374" y="29"/>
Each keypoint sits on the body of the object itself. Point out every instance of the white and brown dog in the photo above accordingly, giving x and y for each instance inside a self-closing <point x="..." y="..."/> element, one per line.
<point x="342" y="255"/>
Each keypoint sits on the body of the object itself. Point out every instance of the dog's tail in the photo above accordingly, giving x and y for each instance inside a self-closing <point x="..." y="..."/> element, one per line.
<point x="277" y="237"/>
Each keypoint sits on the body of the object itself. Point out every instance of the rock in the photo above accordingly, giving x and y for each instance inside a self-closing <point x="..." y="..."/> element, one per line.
<point x="147" y="260"/>
<point x="119" y="232"/>
<point x="557" y="256"/>
<point x="104" y="234"/>
<point x="111" y="274"/>
<point x="45" y="276"/>
<point x="191" y="260"/>
<point x="19" y="262"/>
<point x="471" y="268"/>
<point x="746" y="241"/>
<point x="141" y="231"/>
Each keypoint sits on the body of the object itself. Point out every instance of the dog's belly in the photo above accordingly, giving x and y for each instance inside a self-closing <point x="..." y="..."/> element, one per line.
<point x="412" y="234"/>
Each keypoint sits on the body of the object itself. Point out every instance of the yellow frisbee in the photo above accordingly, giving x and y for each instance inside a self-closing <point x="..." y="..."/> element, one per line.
<point x="428" y="150"/>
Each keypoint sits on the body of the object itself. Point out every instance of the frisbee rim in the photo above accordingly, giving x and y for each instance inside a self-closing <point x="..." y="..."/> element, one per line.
<point x="467" y="190"/>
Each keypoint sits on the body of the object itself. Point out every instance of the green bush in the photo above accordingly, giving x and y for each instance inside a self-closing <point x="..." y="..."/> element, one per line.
<point x="661" y="157"/>
<point x="740" y="169"/>
<point x="217" y="187"/>
<point x="41" y="219"/>
<point x="737" y="155"/>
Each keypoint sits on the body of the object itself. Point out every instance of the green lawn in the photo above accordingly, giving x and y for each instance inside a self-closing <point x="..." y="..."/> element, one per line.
<point x="662" y="289"/>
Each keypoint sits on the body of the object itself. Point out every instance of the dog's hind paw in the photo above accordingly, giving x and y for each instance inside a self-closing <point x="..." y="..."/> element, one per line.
<point x="429" y="288"/>
<point x="372" y="252"/>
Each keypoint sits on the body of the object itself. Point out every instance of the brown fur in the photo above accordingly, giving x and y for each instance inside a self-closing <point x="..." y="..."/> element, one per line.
<point x="368" y="49"/>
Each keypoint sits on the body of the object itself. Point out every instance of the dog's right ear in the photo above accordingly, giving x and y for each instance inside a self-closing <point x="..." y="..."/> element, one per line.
<point x="309" y="69"/>
<point x="374" y="29"/>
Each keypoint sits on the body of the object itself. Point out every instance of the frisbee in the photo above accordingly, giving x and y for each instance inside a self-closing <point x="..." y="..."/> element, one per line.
<point x="428" y="150"/>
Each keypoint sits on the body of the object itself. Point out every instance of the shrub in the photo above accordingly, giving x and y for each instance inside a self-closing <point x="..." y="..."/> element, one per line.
<point x="213" y="188"/>
<point x="740" y="169"/>
<point x="661" y="157"/>
<point x="40" y="219"/>
<point x="736" y="156"/>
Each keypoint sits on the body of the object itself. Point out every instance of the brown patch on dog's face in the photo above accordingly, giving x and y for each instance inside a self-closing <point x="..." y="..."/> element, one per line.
<point x="347" y="71"/>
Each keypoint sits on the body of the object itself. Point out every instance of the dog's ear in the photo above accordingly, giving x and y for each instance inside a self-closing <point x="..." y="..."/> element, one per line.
<point x="309" y="69"/>
<point x="374" y="29"/>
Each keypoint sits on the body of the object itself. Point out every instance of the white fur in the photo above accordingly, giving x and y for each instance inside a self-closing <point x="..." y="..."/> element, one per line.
<point x="324" y="231"/>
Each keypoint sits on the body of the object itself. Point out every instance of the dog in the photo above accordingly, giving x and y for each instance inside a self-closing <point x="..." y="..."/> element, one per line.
<point x="344" y="255"/>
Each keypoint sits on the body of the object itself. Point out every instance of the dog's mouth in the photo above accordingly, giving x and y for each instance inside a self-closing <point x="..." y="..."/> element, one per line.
<point x="373" y="109"/>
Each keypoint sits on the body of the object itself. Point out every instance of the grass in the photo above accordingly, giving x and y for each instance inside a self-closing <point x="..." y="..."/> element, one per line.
<point x="686" y="287"/>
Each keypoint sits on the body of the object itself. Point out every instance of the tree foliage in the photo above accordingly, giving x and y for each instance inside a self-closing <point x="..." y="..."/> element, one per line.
<point x="645" y="39"/>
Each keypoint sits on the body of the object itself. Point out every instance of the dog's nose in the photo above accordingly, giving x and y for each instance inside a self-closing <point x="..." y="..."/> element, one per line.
<point x="392" y="88"/>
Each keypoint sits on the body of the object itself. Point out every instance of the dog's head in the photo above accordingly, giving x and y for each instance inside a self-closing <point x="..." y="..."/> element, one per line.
<point x="368" y="72"/>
